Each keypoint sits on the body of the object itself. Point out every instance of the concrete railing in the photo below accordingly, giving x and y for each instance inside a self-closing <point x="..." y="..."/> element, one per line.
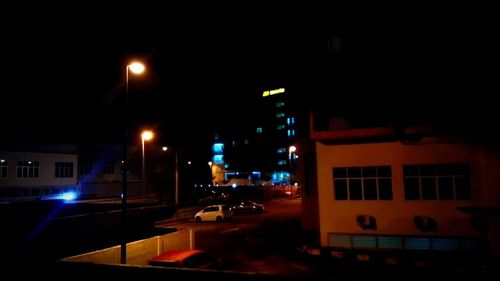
<point x="140" y="251"/>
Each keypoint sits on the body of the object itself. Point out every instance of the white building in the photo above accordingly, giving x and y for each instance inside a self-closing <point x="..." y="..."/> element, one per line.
<point x="369" y="189"/>
<point x="32" y="172"/>
<point x="38" y="175"/>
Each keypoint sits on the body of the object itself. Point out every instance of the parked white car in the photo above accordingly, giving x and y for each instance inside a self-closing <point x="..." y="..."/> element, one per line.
<point x="216" y="213"/>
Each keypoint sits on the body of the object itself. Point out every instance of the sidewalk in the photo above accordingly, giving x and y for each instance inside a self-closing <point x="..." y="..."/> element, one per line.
<point x="134" y="199"/>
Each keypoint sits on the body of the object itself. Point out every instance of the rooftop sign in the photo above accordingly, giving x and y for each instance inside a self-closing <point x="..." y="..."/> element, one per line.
<point x="273" y="92"/>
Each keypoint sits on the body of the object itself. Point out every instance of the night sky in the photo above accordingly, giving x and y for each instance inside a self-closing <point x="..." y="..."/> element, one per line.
<point x="64" y="80"/>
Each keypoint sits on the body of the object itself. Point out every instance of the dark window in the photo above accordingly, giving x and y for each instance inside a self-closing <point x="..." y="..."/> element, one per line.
<point x="462" y="169"/>
<point x="427" y="170"/>
<point x="428" y="188"/>
<point x="444" y="169"/>
<point x="369" y="172"/>
<point x="355" y="192"/>
<point x="370" y="189"/>
<point x="437" y="182"/>
<point x="340" y="189"/>
<point x="3" y="168"/>
<point x="362" y="183"/>
<point x="63" y="169"/>
<point x="445" y="188"/>
<point x="384" y="171"/>
<point x="385" y="189"/>
<point x="354" y="172"/>
<point x="410" y="171"/>
<point x="27" y="169"/>
<point x="463" y="188"/>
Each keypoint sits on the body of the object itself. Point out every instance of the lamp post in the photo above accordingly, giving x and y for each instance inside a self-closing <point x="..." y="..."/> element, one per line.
<point x="145" y="136"/>
<point x="136" y="68"/>
<point x="176" y="175"/>
<point x="291" y="157"/>
<point x="210" y="163"/>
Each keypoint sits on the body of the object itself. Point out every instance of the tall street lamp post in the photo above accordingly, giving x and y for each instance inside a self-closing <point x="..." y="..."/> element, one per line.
<point x="291" y="157"/>
<point x="176" y="175"/>
<point x="145" y="136"/>
<point x="210" y="163"/>
<point x="136" y="68"/>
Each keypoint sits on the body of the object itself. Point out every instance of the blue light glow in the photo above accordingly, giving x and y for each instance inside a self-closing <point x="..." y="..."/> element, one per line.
<point x="218" y="148"/>
<point x="69" y="196"/>
<point x="218" y="159"/>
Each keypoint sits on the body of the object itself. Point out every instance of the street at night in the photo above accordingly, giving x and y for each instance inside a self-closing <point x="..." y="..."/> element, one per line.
<point x="366" y="137"/>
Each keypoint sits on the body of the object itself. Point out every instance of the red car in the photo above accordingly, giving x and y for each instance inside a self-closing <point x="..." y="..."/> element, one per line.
<point x="188" y="258"/>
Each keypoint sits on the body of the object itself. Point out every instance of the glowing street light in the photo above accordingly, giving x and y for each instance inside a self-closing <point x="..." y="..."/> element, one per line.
<point x="135" y="68"/>
<point x="291" y="157"/>
<point x="145" y="136"/>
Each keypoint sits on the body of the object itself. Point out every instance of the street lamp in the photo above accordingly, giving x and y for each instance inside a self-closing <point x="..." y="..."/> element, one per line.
<point x="291" y="157"/>
<point x="145" y="136"/>
<point x="136" y="68"/>
<point x="176" y="174"/>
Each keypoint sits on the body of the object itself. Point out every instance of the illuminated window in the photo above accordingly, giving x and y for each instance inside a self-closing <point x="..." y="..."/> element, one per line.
<point x="218" y="147"/>
<point x="280" y="115"/>
<point x="280" y="104"/>
<point x="218" y="159"/>
<point x="362" y="183"/>
<point x="3" y="168"/>
<point x="282" y="162"/>
<point x="437" y="182"/>
<point x="281" y="150"/>
<point x="259" y="130"/>
<point x="64" y="170"/>
<point x="292" y="121"/>
<point x="27" y="169"/>
<point x="280" y="127"/>
<point x="288" y="121"/>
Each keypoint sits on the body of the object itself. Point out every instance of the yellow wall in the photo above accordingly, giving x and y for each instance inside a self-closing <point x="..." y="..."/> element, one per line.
<point x="395" y="216"/>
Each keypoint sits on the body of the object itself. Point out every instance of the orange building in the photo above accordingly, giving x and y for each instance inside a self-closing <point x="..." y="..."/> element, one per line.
<point x="413" y="189"/>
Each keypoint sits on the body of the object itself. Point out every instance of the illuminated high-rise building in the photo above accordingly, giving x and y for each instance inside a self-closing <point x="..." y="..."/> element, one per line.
<point x="277" y="132"/>
<point x="260" y="149"/>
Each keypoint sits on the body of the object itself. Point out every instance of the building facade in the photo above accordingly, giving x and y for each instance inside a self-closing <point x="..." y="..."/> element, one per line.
<point x="278" y="131"/>
<point x="39" y="172"/>
<point x="404" y="189"/>
<point x="48" y="173"/>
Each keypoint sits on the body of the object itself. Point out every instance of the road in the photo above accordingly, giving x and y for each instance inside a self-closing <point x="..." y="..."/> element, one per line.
<point x="264" y="243"/>
<point x="269" y="243"/>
